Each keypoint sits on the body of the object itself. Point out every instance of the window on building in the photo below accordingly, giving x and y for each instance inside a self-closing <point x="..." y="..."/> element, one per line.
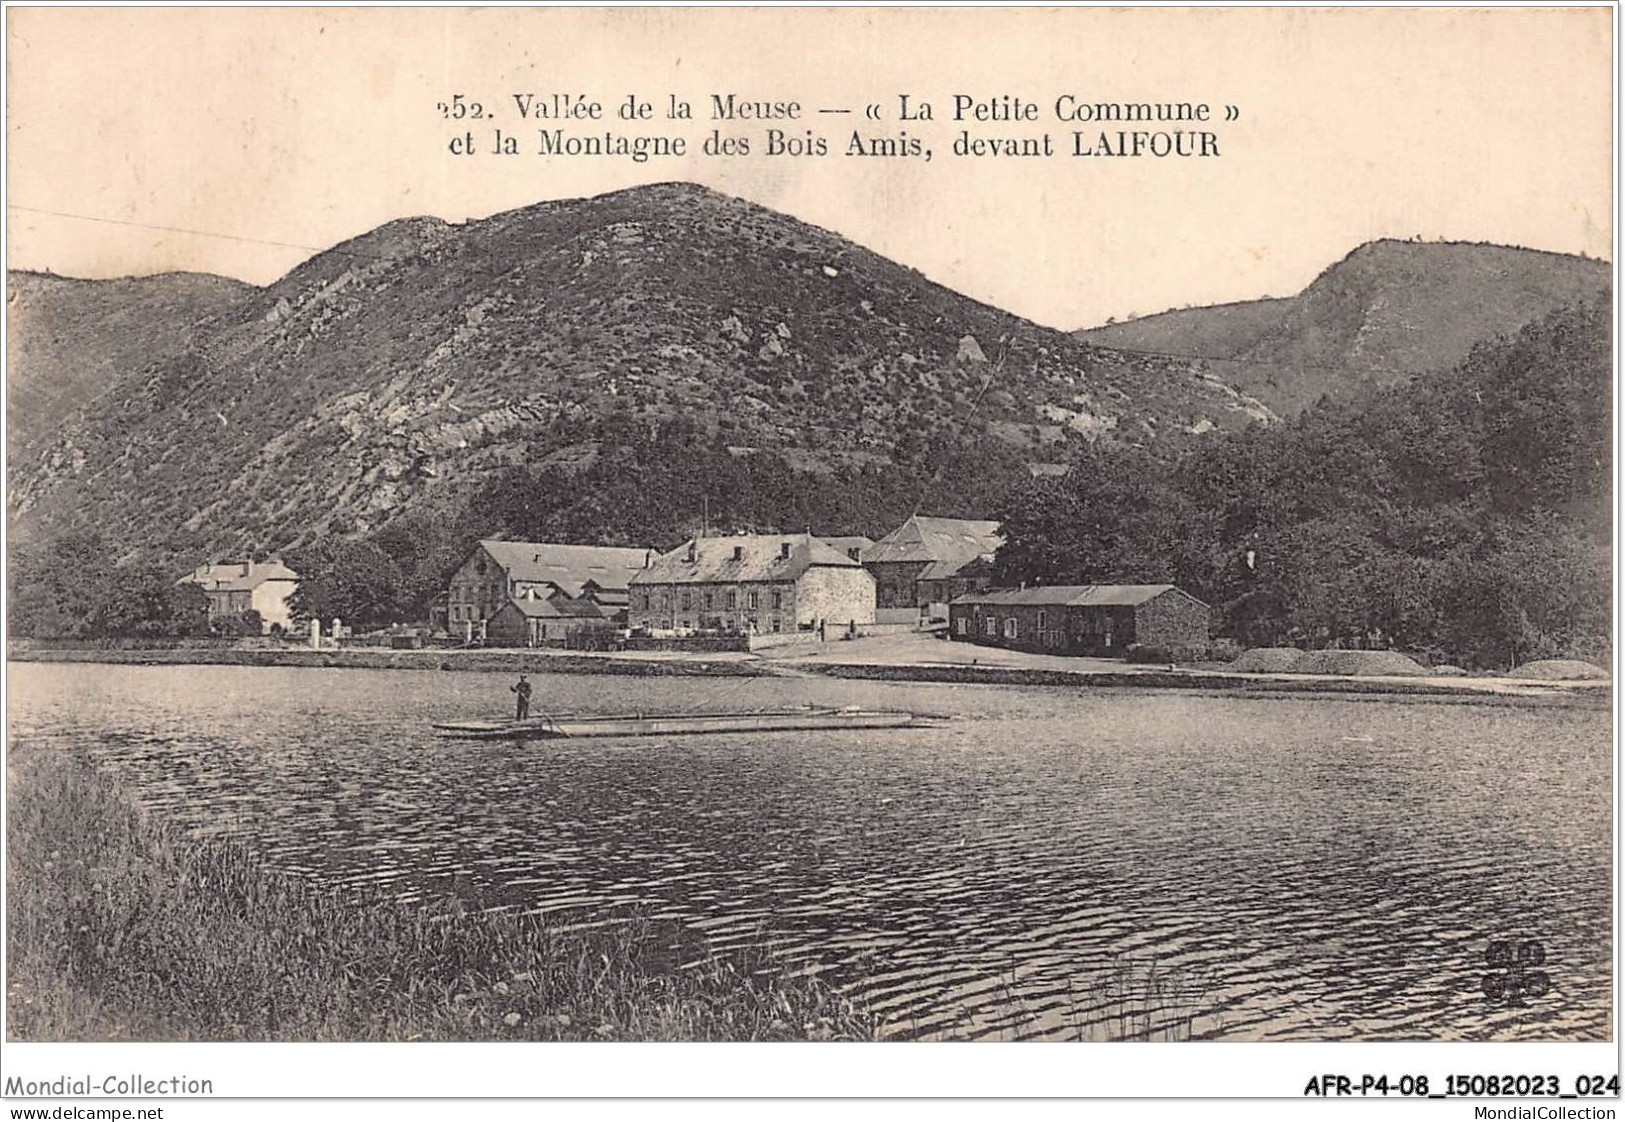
<point x="754" y="598"/>
<point x="707" y="601"/>
<point x="775" y="622"/>
<point x="991" y="625"/>
<point x="962" y="625"/>
<point x="1042" y="624"/>
<point x="731" y="600"/>
<point x="1010" y="627"/>
<point x="688" y="602"/>
<point x="778" y="601"/>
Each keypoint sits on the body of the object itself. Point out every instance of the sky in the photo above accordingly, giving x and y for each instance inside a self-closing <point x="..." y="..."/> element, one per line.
<point x="240" y="142"/>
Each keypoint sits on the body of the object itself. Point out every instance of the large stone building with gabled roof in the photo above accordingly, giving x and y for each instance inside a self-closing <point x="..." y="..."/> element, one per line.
<point x="752" y="583"/>
<point x="926" y="562"/>
<point x="498" y="571"/>
<point x="235" y="587"/>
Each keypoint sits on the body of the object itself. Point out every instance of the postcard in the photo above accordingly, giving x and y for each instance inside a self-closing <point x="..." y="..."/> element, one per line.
<point x="910" y="534"/>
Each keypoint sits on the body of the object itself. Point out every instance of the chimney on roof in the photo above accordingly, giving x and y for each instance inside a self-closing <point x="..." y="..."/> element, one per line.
<point x="693" y="550"/>
<point x="739" y="553"/>
<point x="784" y="550"/>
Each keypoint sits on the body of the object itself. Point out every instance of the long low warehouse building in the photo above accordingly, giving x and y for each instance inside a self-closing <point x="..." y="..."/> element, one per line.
<point x="1094" y="619"/>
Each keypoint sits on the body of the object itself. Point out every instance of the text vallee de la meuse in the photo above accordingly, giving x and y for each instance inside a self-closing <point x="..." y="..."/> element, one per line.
<point x="786" y="127"/>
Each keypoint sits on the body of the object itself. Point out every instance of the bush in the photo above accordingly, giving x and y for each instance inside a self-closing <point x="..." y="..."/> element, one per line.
<point x="1268" y="660"/>
<point x="1559" y="670"/>
<point x="1358" y="664"/>
<point x="242" y="624"/>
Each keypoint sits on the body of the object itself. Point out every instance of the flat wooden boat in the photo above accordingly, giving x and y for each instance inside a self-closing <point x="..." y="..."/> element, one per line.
<point x="677" y="724"/>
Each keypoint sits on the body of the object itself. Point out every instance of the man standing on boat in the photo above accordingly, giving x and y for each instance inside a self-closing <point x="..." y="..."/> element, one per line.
<point x="521" y="700"/>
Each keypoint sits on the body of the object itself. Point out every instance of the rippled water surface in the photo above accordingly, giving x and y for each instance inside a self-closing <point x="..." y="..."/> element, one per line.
<point x="1048" y="864"/>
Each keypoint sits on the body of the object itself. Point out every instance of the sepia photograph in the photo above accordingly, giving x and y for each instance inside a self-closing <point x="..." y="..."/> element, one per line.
<point x="895" y="526"/>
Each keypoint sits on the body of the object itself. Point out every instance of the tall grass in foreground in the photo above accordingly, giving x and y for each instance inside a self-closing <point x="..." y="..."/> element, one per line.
<point x="120" y="931"/>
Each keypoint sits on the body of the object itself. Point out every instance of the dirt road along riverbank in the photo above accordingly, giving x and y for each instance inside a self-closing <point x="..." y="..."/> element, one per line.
<point x="377" y="658"/>
<point x="903" y="658"/>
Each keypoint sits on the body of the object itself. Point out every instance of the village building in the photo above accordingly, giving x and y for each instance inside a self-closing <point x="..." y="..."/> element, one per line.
<point x="1095" y="619"/>
<point x="752" y="583"/>
<point x="610" y="602"/>
<point x="533" y="620"/>
<point x="941" y="582"/>
<point x="235" y="587"/>
<point x="926" y="562"/>
<point x="497" y="572"/>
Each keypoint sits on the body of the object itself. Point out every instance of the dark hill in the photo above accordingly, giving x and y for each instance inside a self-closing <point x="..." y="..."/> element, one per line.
<point x="1218" y="330"/>
<point x="407" y="368"/>
<point x="70" y="340"/>
<point x="1385" y="312"/>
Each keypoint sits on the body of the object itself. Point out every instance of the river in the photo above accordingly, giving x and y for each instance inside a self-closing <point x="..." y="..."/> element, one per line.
<point x="1050" y="864"/>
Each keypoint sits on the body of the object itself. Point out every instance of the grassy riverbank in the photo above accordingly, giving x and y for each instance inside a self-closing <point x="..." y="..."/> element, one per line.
<point x="119" y="931"/>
